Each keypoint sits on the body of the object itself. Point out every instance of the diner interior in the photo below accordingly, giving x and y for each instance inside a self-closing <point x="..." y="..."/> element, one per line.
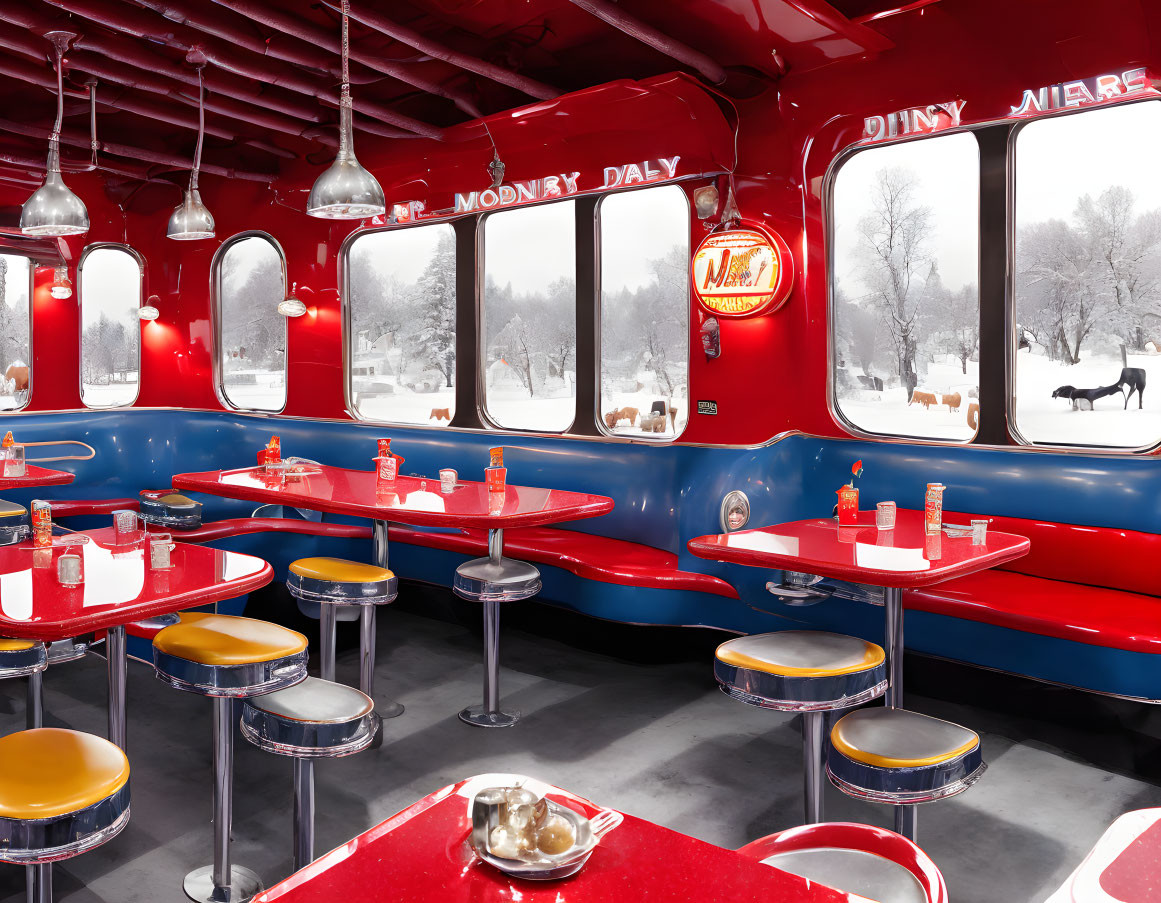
<point x="590" y="450"/>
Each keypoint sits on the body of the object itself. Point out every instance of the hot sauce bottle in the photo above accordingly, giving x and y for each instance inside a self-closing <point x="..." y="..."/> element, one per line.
<point x="496" y="474"/>
<point x="274" y="451"/>
<point x="388" y="463"/>
<point x="933" y="508"/>
<point x="41" y="523"/>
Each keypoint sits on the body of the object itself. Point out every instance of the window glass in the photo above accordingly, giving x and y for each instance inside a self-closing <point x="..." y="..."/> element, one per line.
<point x="110" y="294"/>
<point x="529" y="317"/>
<point x="645" y="312"/>
<point x="251" y="283"/>
<point x="15" y="282"/>
<point x="1087" y="278"/>
<point x="402" y="339"/>
<point x="904" y="289"/>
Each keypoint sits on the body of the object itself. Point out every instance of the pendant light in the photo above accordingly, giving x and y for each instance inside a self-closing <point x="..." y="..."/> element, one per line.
<point x="190" y="219"/>
<point x="291" y="306"/>
<point x="53" y="209"/>
<point x="148" y="311"/>
<point x="346" y="190"/>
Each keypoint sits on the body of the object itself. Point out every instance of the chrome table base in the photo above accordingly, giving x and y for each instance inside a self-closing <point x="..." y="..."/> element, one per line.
<point x="813" y="764"/>
<point x="199" y="885"/>
<point x="906" y="817"/>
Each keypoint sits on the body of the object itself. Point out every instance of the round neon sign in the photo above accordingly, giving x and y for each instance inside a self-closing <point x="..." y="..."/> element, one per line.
<point x="742" y="272"/>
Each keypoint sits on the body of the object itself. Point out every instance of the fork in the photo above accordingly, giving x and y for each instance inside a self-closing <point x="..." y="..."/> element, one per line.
<point x="604" y="822"/>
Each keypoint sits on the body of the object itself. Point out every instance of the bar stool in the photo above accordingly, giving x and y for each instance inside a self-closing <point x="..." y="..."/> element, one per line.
<point x="493" y="580"/>
<point x="227" y="657"/>
<point x="805" y="671"/>
<point x="901" y="758"/>
<point x="873" y="863"/>
<point x="168" y="508"/>
<point x="62" y="793"/>
<point x="333" y="583"/>
<point x="316" y="719"/>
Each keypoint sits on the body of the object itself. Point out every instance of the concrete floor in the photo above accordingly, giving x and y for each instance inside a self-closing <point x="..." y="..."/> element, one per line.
<point x="626" y="716"/>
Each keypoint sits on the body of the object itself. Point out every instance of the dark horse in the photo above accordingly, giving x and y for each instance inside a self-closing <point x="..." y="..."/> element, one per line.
<point x="1133" y="379"/>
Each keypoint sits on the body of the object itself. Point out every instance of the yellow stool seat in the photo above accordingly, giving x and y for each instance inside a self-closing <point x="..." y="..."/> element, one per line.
<point x="228" y="640"/>
<point x="801" y="653"/>
<point x="898" y="738"/>
<point x="340" y="570"/>
<point x="14" y="645"/>
<point x="48" y="772"/>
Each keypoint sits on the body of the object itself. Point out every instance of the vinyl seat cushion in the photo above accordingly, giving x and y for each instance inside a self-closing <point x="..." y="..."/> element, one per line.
<point x="49" y="772"/>
<point x="13" y="645"/>
<point x="222" y="640"/>
<point x="339" y="570"/>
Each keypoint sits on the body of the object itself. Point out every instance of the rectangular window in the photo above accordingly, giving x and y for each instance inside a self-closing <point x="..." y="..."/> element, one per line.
<point x="645" y="312"/>
<point x="402" y="339"/>
<point x="529" y="301"/>
<point x="905" y="289"/>
<point x="251" y="282"/>
<point x="15" y="318"/>
<point x="1087" y="279"/>
<point x="110" y="295"/>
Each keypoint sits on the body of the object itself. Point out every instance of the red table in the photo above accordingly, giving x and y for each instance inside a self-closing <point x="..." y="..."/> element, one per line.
<point x="906" y="556"/>
<point x="423" y="854"/>
<point x="416" y="501"/>
<point x="119" y="588"/>
<point x="36" y="476"/>
<point x="1123" y="867"/>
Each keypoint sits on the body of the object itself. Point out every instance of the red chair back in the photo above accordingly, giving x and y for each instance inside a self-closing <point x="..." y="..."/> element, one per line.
<point x="850" y="836"/>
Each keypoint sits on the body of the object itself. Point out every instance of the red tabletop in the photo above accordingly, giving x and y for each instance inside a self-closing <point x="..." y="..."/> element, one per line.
<point x="37" y="476"/>
<point x="119" y="585"/>
<point x="900" y="558"/>
<point x="423" y="854"/>
<point x="407" y="500"/>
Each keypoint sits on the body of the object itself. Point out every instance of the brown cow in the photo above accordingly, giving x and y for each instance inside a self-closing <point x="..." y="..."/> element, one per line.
<point x="18" y="375"/>
<point x="927" y="399"/>
<point x="952" y="401"/>
<point x="973" y="415"/>
<point x="438" y="414"/>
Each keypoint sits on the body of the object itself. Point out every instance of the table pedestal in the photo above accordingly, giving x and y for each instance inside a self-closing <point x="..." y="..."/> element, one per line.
<point x="905" y="816"/>
<point x="367" y="618"/>
<point x="116" y="662"/>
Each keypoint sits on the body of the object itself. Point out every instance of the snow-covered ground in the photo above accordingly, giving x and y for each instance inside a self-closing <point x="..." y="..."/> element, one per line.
<point x="110" y="396"/>
<point x="643" y="402"/>
<point x="256" y="390"/>
<point x="1042" y="418"/>
<point x="510" y="406"/>
<point x="888" y="412"/>
<point x="408" y="407"/>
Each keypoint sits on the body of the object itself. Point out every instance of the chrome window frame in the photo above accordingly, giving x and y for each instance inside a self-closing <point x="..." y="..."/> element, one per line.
<point x="216" y="308"/>
<point x="136" y="255"/>
<point x="597" y="414"/>
<point x="33" y="263"/>
<point x="345" y="305"/>
<point x="1012" y="346"/>
<point x="828" y="192"/>
<point x="481" y="346"/>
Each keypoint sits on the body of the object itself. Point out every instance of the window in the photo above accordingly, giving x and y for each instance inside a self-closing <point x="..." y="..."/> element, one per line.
<point x="15" y="318"/>
<point x="529" y="340"/>
<point x="402" y="338"/>
<point x="251" y="281"/>
<point x="645" y="312"/>
<point x="110" y="294"/>
<point x="1087" y="278"/>
<point x="904" y="289"/>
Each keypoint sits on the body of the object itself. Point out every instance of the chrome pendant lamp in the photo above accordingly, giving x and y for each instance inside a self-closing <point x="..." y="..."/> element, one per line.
<point x="346" y="190"/>
<point x="53" y="209"/>
<point x="190" y="219"/>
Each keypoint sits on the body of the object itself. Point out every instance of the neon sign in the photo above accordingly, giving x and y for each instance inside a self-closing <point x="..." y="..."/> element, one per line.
<point x="1083" y="93"/>
<point x="565" y="184"/>
<point x="742" y="272"/>
<point x="913" y="121"/>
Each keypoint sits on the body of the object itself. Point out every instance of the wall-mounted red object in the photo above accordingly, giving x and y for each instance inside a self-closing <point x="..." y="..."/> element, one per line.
<point x="742" y="272"/>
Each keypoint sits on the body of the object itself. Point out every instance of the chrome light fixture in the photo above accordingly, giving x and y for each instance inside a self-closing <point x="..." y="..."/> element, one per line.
<point x="53" y="209"/>
<point x="290" y="306"/>
<point x="190" y="219"/>
<point x="346" y="190"/>
<point x="148" y="310"/>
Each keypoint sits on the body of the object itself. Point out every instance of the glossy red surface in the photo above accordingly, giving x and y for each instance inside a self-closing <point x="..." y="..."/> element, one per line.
<point x="1124" y="866"/>
<point x="240" y="526"/>
<point x="422" y="854"/>
<point x="83" y="507"/>
<point x="37" y="476"/>
<point x="1069" y="611"/>
<point x="592" y="557"/>
<point x="903" y="557"/>
<point x="407" y="500"/>
<point x="851" y="836"/>
<point x="119" y="585"/>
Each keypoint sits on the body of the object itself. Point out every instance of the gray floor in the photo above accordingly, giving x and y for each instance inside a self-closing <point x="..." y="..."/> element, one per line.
<point x="614" y="715"/>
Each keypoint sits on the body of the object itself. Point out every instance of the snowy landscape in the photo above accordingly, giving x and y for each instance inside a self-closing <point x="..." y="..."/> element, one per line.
<point x="15" y="280"/>
<point x="252" y="335"/>
<point x="110" y="293"/>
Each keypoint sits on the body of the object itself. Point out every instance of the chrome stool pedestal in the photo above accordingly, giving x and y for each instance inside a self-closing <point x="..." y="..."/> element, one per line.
<point x="493" y="581"/>
<point x="315" y="719"/>
<point x="227" y="658"/>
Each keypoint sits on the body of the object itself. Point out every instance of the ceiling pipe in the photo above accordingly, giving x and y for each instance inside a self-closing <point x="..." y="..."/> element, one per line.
<point x="614" y="15"/>
<point x="290" y="24"/>
<point x="76" y="139"/>
<point x="380" y="23"/>
<point x="145" y="24"/>
<point x="832" y="20"/>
